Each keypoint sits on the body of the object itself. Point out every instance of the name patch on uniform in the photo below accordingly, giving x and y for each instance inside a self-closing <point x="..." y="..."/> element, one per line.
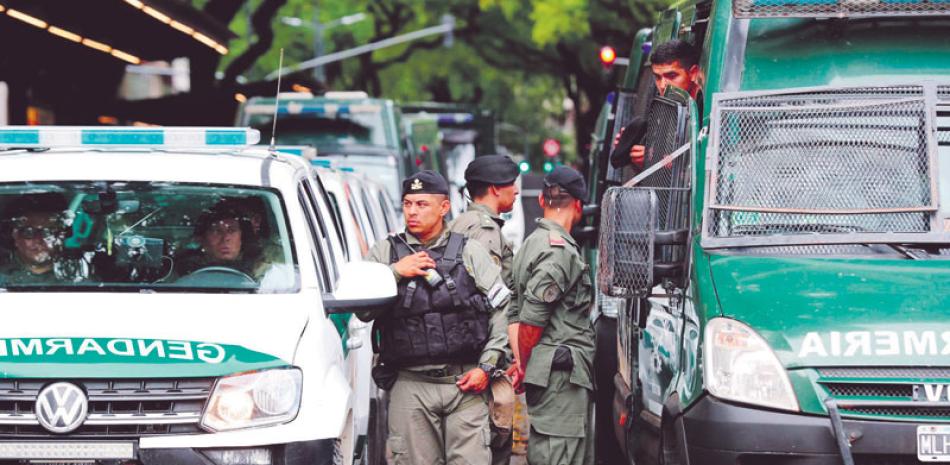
<point x="874" y="343"/>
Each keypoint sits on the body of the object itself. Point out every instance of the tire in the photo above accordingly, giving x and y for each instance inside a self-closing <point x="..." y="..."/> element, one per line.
<point x="377" y="430"/>
<point x="670" y="452"/>
<point x="607" y="451"/>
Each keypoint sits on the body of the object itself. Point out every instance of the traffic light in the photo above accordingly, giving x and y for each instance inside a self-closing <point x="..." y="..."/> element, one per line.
<point x="524" y="166"/>
<point x="607" y="56"/>
<point x="551" y="148"/>
<point x="548" y="166"/>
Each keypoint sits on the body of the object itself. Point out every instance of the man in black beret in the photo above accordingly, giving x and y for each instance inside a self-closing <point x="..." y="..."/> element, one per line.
<point x="550" y="309"/>
<point x="490" y="180"/>
<point x="444" y="337"/>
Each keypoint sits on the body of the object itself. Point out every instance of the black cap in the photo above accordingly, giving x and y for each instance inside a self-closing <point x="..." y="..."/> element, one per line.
<point x="633" y="134"/>
<point x="425" y="182"/>
<point x="499" y="170"/>
<point x="568" y="179"/>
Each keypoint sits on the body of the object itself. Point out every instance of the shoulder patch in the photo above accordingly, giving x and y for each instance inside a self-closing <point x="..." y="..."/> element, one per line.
<point x="556" y="239"/>
<point x="551" y="293"/>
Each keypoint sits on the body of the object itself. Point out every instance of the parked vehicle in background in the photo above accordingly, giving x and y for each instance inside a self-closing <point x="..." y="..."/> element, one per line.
<point x="362" y="132"/>
<point x="181" y="286"/>
<point x="466" y="132"/>
<point x="425" y="140"/>
<point x="357" y="237"/>
<point x="782" y="255"/>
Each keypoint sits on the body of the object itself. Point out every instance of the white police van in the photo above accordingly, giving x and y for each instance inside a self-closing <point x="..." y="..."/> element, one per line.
<point x="168" y="294"/>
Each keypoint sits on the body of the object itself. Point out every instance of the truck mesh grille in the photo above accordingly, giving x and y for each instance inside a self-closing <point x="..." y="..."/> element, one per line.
<point x="898" y="390"/>
<point x="838" y="8"/>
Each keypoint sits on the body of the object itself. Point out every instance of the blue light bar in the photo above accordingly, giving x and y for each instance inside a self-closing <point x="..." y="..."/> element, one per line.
<point x="143" y="137"/>
<point x="455" y="118"/>
<point x="315" y="107"/>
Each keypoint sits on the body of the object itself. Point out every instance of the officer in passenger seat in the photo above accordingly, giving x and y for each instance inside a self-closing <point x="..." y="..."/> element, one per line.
<point x="36" y="232"/>
<point x="443" y="338"/>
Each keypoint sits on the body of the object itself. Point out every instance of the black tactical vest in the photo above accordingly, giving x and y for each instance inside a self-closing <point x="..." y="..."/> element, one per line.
<point x="446" y="323"/>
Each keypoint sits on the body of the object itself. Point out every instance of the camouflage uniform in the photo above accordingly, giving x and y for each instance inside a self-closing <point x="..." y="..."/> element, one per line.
<point x="553" y="291"/>
<point x="481" y="224"/>
<point x="431" y="421"/>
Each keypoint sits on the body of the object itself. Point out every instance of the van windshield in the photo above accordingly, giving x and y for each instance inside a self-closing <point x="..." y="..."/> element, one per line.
<point x="75" y="236"/>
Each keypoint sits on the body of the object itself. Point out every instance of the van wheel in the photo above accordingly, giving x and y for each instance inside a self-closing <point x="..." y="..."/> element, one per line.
<point x="377" y="430"/>
<point x="669" y="445"/>
<point x="343" y="447"/>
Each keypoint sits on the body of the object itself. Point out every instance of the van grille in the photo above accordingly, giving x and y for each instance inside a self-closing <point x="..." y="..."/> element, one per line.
<point x="117" y="408"/>
<point x="892" y="392"/>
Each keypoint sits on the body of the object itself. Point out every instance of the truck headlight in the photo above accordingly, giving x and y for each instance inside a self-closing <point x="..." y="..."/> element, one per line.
<point x="253" y="399"/>
<point x="740" y="366"/>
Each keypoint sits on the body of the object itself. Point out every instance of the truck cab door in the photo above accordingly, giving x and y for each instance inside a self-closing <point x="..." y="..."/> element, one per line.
<point x="654" y="352"/>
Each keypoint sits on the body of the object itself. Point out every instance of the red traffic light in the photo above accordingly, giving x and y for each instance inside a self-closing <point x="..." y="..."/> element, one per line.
<point x="551" y="147"/>
<point x="608" y="55"/>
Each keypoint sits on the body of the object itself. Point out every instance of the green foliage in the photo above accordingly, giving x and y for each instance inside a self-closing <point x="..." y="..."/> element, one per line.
<point x="519" y="58"/>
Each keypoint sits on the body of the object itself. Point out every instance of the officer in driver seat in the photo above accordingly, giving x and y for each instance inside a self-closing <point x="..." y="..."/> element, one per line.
<point x="443" y="338"/>
<point x="227" y="239"/>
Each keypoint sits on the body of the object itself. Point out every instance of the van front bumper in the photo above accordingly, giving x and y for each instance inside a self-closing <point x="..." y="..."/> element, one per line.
<point x="718" y="432"/>
<point x="317" y="452"/>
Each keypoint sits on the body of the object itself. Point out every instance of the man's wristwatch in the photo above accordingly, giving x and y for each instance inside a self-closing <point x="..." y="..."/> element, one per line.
<point x="488" y="368"/>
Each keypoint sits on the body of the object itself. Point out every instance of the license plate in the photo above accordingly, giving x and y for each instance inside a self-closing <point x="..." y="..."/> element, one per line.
<point x="933" y="443"/>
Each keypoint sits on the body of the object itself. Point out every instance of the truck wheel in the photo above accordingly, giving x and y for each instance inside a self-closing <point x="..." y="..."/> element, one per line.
<point x="670" y="453"/>
<point x="377" y="430"/>
<point x="606" y="449"/>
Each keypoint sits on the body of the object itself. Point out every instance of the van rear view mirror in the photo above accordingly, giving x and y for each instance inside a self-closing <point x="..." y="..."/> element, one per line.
<point x="363" y="287"/>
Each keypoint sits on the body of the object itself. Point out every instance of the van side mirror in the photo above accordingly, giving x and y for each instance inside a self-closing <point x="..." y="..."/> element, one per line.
<point x="636" y="252"/>
<point x="363" y="286"/>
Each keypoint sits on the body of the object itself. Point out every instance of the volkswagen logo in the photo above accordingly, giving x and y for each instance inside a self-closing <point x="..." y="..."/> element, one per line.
<point x="61" y="407"/>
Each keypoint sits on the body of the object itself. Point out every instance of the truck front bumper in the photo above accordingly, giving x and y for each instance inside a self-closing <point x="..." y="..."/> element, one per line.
<point x="718" y="432"/>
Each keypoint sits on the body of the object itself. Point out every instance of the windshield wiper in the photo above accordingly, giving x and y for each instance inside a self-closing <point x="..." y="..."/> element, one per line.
<point x="763" y="229"/>
<point x="906" y="251"/>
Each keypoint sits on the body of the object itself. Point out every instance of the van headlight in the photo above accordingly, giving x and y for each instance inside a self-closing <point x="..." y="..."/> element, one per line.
<point x="740" y="366"/>
<point x="253" y="399"/>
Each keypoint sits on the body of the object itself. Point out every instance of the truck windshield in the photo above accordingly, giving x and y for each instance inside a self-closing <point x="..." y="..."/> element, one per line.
<point x="106" y="235"/>
<point x="856" y="164"/>
<point x="322" y="130"/>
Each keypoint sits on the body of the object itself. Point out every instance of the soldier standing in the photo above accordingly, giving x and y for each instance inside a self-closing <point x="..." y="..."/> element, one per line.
<point x="443" y="338"/>
<point x="551" y="306"/>
<point x="490" y="181"/>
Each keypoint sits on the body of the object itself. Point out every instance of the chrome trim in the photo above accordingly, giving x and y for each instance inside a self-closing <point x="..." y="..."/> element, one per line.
<point x="113" y="419"/>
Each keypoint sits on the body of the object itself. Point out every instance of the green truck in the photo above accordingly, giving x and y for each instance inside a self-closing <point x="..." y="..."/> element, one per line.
<point x="782" y="262"/>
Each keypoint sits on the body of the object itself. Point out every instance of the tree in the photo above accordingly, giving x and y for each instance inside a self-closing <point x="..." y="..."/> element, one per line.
<point x="520" y="58"/>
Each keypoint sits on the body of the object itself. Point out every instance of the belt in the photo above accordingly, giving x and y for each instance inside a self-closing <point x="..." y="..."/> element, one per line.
<point x="438" y="374"/>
